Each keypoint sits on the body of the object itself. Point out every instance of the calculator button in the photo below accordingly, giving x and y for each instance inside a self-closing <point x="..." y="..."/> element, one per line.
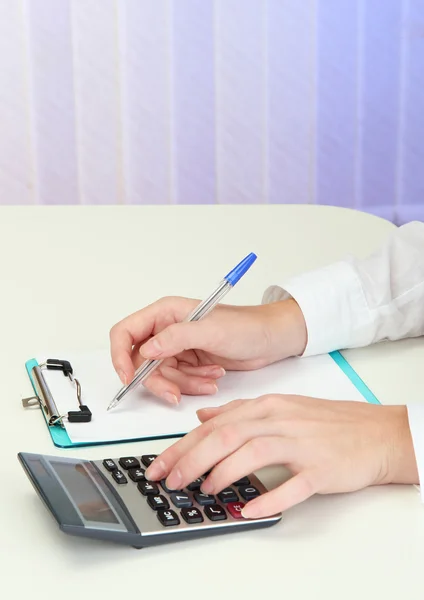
<point x="235" y="508"/>
<point x="157" y="502"/>
<point x="204" y="499"/>
<point x="195" y="485"/>
<point x="147" y="488"/>
<point x="168" y="517"/>
<point x="109" y="464"/>
<point x="129" y="462"/>
<point x="215" y="512"/>
<point x="192" y="515"/>
<point x="119" y="477"/>
<point x="181" y="499"/>
<point x="242" y="481"/>
<point x="147" y="459"/>
<point x="167" y="489"/>
<point x="136" y="474"/>
<point x="228" y="495"/>
<point x="249" y="492"/>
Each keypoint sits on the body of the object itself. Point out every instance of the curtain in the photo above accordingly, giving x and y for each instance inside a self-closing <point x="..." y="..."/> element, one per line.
<point x="213" y="101"/>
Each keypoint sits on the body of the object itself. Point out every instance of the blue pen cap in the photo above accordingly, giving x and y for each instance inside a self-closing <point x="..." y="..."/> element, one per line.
<point x="238" y="271"/>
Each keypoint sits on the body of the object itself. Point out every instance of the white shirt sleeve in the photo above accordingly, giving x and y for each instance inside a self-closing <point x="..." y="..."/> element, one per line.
<point x="358" y="302"/>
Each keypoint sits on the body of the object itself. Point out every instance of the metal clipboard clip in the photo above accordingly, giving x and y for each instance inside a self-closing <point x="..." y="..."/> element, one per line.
<point x="45" y="400"/>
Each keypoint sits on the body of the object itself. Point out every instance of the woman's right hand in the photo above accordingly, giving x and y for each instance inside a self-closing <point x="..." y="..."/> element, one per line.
<point x="196" y="354"/>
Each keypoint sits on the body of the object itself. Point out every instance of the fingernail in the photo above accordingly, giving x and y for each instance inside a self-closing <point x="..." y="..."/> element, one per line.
<point x="122" y="377"/>
<point x="250" y="511"/>
<point x="171" y="398"/>
<point x="207" y="409"/>
<point x="156" y="470"/>
<point x="218" y="372"/>
<point x="151" y="348"/>
<point x="174" y="479"/>
<point x="208" y="388"/>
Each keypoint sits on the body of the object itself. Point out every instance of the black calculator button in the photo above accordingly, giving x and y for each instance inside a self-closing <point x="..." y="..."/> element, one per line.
<point x="109" y="464"/>
<point x="147" y="459"/>
<point x="204" y="499"/>
<point x="192" y="515"/>
<point x="249" y="491"/>
<point x="129" y="462"/>
<point x="242" y="481"/>
<point x="228" y="495"/>
<point x="214" y="512"/>
<point x="136" y="474"/>
<point x="180" y="499"/>
<point x="195" y="485"/>
<point x="168" y="517"/>
<point x="167" y="489"/>
<point x="157" y="502"/>
<point x="147" y="488"/>
<point x="119" y="477"/>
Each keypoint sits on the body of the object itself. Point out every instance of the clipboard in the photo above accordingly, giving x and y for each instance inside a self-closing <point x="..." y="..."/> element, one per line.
<point x="56" y="423"/>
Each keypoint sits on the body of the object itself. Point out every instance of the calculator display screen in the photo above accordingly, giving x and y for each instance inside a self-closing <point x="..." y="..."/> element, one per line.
<point x="84" y="492"/>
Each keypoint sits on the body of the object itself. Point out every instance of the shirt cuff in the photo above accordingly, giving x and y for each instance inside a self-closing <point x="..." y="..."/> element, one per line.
<point x="333" y="305"/>
<point x="416" y="425"/>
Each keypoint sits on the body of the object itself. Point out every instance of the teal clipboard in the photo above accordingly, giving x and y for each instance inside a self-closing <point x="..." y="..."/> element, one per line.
<point x="61" y="439"/>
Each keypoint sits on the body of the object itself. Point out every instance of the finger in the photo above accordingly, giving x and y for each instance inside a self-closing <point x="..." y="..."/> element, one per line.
<point x="211" y="371"/>
<point x="168" y="382"/>
<point x="179" y="337"/>
<point x="297" y="489"/>
<point x="140" y="325"/>
<point x="163" y="388"/>
<point x="189" y="384"/>
<point x="121" y="343"/>
<point x="204" y="414"/>
<point x="216" y="447"/>
<point x="163" y="464"/>
<point x="253" y="455"/>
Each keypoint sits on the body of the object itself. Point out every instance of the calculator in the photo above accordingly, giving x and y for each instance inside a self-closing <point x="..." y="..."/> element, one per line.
<point x="112" y="500"/>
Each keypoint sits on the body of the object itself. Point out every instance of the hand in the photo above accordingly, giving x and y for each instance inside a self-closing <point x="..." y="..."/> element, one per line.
<point x="196" y="354"/>
<point x="329" y="446"/>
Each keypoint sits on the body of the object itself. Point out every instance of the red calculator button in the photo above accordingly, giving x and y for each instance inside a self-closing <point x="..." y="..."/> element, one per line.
<point x="235" y="508"/>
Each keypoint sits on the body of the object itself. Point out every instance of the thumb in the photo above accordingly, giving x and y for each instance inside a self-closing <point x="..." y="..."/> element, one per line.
<point x="176" y="338"/>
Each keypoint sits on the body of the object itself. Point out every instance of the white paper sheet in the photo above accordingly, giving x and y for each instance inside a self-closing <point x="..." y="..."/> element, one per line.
<point x="140" y="414"/>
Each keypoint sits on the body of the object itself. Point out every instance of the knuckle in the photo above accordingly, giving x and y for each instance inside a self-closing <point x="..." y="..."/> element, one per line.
<point x="258" y="446"/>
<point x="308" y="484"/>
<point x="228" y="435"/>
<point x="114" y="330"/>
<point x="267" y="402"/>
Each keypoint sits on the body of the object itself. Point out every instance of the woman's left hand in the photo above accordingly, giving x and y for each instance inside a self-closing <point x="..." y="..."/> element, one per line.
<point x="328" y="446"/>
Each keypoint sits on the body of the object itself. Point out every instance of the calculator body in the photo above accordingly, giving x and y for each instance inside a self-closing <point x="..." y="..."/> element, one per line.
<point x="111" y="500"/>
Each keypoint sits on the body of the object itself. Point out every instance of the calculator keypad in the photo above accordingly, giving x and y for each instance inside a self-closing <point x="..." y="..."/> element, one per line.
<point x="249" y="492"/>
<point x="129" y="462"/>
<point x="157" y="502"/>
<point x="228" y="495"/>
<point x="192" y="515"/>
<point x="204" y="499"/>
<point x="188" y="506"/>
<point x="235" y="508"/>
<point x="147" y="459"/>
<point x="119" y="477"/>
<point x="180" y="499"/>
<point x="109" y="464"/>
<point x="215" y="512"/>
<point x="146" y="488"/>
<point x="168" y="517"/>
<point x="136" y="474"/>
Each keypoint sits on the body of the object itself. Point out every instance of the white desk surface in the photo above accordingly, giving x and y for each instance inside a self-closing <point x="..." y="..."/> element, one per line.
<point x="67" y="274"/>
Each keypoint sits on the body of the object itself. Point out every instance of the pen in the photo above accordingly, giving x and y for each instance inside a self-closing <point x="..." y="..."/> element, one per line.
<point x="198" y="313"/>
